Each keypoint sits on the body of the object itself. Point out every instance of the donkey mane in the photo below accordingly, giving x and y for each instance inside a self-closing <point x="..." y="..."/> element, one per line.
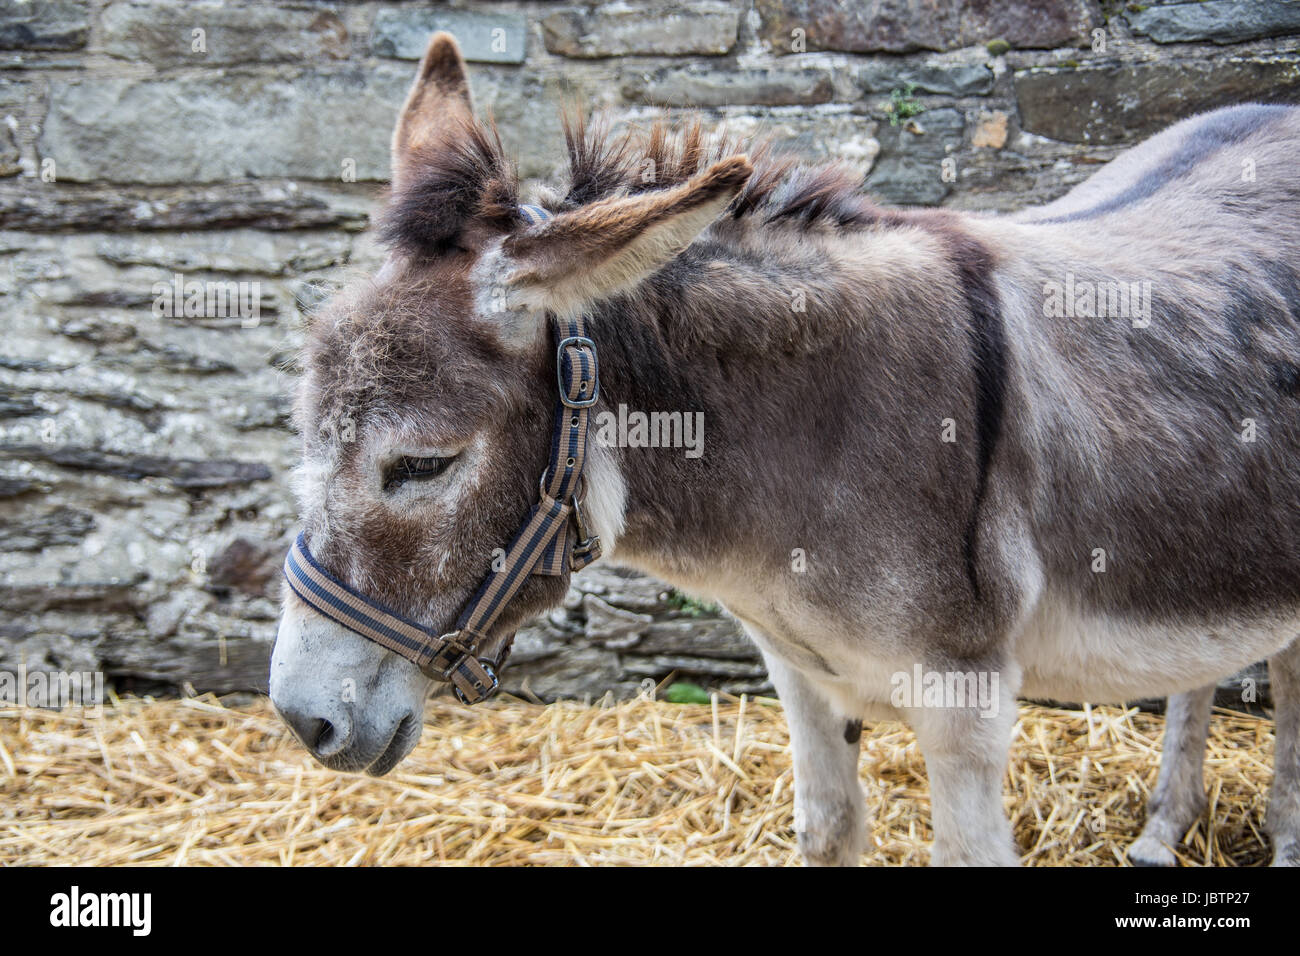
<point x="468" y="177"/>
<point x="766" y="244"/>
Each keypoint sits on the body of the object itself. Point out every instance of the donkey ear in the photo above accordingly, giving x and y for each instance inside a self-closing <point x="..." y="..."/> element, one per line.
<point x="608" y="246"/>
<point x="439" y="100"/>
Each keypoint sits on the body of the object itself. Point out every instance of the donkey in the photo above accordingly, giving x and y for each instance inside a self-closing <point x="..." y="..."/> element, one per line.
<point x="1055" y="454"/>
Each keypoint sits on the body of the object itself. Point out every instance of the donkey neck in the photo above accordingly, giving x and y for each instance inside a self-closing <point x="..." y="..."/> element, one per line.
<point x="783" y="350"/>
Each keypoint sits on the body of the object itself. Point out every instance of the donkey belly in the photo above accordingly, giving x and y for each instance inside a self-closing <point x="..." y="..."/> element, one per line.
<point x="1072" y="656"/>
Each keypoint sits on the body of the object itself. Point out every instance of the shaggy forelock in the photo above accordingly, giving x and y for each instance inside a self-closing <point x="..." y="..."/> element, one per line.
<point x="392" y="352"/>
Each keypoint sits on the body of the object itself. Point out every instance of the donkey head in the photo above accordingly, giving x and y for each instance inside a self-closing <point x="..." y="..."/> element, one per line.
<point x="426" y="404"/>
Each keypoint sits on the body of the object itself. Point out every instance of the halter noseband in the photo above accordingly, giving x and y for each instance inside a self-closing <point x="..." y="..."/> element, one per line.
<point x="542" y="545"/>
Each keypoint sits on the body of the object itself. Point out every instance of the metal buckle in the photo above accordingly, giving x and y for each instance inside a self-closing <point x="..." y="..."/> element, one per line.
<point x="542" y="496"/>
<point x="483" y="692"/>
<point x="577" y="340"/>
<point x="586" y="543"/>
<point x="437" y="666"/>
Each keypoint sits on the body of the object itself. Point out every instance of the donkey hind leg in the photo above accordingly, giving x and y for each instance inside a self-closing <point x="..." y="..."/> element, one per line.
<point x="966" y="751"/>
<point x="829" y="806"/>
<point x="1284" y="798"/>
<point x="1179" y="797"/>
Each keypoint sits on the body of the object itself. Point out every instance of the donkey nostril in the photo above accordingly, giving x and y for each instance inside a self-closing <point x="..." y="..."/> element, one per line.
<point x="323" y="736"/>
<point x="333" y="734"/>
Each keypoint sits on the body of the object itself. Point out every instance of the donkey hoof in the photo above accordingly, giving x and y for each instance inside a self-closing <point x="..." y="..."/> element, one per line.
<point x="835" y="836"/>
<point x="1286" y="854"/>
<point x="821" y="852"/>
<point x="1148" y="851"/>
<point x="997" y="853"/>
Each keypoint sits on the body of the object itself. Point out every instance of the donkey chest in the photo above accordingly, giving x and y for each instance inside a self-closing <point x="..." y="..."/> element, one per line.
<point x="853" y="665"/>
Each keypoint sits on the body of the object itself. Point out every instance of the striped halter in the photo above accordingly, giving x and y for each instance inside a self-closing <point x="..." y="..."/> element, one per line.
<point x="545" y="544"/>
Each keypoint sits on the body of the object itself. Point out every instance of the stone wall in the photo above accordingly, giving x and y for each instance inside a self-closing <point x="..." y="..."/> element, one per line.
<point x="143" y="502"/>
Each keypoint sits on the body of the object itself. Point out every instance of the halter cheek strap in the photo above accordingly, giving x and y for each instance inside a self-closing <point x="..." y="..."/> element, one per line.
<point x="553" y="540"/>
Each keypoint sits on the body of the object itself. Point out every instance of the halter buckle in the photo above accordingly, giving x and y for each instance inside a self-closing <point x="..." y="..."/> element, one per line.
<point x="479" y="691"/>
<point x="579" y="342"/>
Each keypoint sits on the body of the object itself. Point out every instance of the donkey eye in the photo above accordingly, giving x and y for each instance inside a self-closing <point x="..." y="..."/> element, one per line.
<point x="414" y="469"/>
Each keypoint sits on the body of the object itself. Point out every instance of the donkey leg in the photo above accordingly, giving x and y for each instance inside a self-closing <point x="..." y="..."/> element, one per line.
<point x="829" y="806"/>
<point x="966" y="756"/>
<point x="1284" y="797"/>
<point x="1179" y="796"/>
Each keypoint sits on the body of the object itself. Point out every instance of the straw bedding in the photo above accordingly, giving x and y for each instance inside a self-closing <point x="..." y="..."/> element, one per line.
<point x="193" y="781"/>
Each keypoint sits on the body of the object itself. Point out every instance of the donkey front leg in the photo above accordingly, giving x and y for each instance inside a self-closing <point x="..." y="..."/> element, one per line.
<point x="829" y="805"/>
<point x="1284" y="798"/>
<point x="966" y="751"/>
<point x="1179" y="797"/>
